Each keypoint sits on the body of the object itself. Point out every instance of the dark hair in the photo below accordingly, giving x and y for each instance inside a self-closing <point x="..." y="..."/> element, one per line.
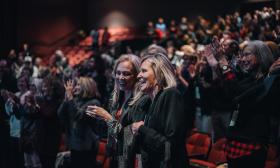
<point x="234" y="46"/>
<point x="274" y="48"/>
<point x="56" y="85"/>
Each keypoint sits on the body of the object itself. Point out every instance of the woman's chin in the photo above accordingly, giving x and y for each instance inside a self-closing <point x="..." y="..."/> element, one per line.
<point x="143" y="89"/>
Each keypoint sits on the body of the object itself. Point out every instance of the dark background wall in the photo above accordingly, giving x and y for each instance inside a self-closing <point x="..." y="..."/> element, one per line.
<point x="45" y="24"/>
<point x="8" y="26"/>
<point x="141" y="11"/>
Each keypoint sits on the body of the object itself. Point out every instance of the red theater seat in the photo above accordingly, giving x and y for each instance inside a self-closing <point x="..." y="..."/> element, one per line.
<point x="101" y="154"/>
<point x="216" y="156"/>
<point x="272" y="160"/>
<point x="198" y="145"/>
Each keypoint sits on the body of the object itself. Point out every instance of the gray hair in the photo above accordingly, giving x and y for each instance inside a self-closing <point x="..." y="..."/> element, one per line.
<point x="263" y="55"/>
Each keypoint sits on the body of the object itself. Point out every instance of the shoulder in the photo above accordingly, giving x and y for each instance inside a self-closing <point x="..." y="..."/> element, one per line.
<point x="171" y="92"/>
<point x="93" y="102"/>
<point x="169" y="96"/>
<point x="143" y="101"/>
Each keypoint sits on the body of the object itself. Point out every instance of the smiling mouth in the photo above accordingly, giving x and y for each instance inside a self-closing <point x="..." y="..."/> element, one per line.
<point x="141" y="81"/>
<point x="122" y="84"/>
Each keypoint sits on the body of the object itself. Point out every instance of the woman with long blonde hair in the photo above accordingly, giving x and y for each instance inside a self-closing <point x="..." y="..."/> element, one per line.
<point x="123" y="112"/>
<point x="162" y="134"/>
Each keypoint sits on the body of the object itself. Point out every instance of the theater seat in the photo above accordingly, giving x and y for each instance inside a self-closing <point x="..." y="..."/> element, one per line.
<point x="198" y="145"/>
<point x="101" y="154"/>
<point x="216" y="156"/>
<point x="271" y="160"/>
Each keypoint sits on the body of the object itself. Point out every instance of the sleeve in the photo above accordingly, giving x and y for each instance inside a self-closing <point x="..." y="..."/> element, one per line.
<point x="30" y="111"/>
<point x="139" y="110"/>
<point x="135" y="113"/>
<point x="81" y="110"/>
<point x="173" y="122"/>
<point x="114" y="128"/>
<point x="62" y="109"/>
<point x="8" y="108"/>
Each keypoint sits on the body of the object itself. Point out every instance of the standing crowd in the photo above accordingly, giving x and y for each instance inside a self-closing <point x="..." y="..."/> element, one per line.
<point x="220" y="78"/>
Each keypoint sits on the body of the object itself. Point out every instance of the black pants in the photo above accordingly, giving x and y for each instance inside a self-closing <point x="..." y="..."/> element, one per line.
<point x="255" y="160"/>
<point x="16" y="159"/>
<point x="84" y="159"/>
<point x="47" y="161"/>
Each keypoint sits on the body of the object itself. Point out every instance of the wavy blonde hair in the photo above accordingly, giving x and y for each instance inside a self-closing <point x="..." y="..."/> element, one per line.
<point x="163" y="69"/>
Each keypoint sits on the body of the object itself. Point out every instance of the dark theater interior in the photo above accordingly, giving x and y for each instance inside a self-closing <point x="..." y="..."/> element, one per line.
<point x="139" y="83"/>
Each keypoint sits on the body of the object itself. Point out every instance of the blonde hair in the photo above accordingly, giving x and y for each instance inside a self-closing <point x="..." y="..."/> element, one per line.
<point x="88" y="87"/>
<point x="135" y="61"/>
<point x="163" y="69"/>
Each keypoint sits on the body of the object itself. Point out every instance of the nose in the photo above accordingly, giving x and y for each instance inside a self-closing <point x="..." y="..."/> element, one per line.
<point x="121" y="76"/>
<point x="139" y="75"/>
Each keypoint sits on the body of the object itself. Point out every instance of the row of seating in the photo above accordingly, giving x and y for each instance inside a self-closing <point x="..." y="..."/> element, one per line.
<point x="203" y="153"/>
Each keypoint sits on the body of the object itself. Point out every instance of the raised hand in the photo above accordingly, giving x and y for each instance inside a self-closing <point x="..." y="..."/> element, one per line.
<point x="209" y="55"/>
<point x="69" y="88"/>
<point x="275" y="66"/>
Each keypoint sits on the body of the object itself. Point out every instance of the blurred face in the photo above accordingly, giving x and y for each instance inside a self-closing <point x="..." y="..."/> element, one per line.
<point x="32" y="88"/>
<point x="147" y="77"/>
<point x="77" y="89"/>
<point x="25" y="46"/>
<point x="46" y="90"/>
<point x="125" y="78"/>
<point x="248" y="61"/>
<point x="184" y="19"/>
<point x="22" y="85"/>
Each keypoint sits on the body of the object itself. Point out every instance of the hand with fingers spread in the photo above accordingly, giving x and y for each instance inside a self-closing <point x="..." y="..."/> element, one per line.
<point x="98" y="112"/>
<point x="209" y="55"/>
<point x="69" y="88"/>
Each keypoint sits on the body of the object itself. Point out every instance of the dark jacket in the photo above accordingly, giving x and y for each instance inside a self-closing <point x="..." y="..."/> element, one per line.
<point x="78" y="126"/>
<point x="48" y="126"/>
<point x="257" y="100"/>
<point x="162" y="138"/>
<point x="124" y="149"/>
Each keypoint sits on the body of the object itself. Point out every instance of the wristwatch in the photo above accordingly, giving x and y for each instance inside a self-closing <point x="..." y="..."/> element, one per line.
<point x="225" y="67"/>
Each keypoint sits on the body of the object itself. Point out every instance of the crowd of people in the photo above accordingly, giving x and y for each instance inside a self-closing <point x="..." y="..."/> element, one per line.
<point x="219" y="77"/>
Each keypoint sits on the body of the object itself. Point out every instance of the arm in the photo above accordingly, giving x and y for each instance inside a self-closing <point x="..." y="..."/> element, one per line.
<point x="68" y="99"/>
<point x="62" y="109"/>
<point x="81" y="115"/>
<point x="173" y="122"/>
<point x="135" y="112"/>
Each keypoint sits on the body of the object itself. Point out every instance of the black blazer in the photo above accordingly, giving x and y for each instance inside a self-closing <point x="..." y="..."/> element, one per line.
<point x="165" y="124"/>
<point x="257" y="103"/>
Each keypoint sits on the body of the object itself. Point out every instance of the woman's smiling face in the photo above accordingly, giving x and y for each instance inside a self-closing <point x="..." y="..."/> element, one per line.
<point x="147" y="77"/>
<point x="125" y="76"/>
